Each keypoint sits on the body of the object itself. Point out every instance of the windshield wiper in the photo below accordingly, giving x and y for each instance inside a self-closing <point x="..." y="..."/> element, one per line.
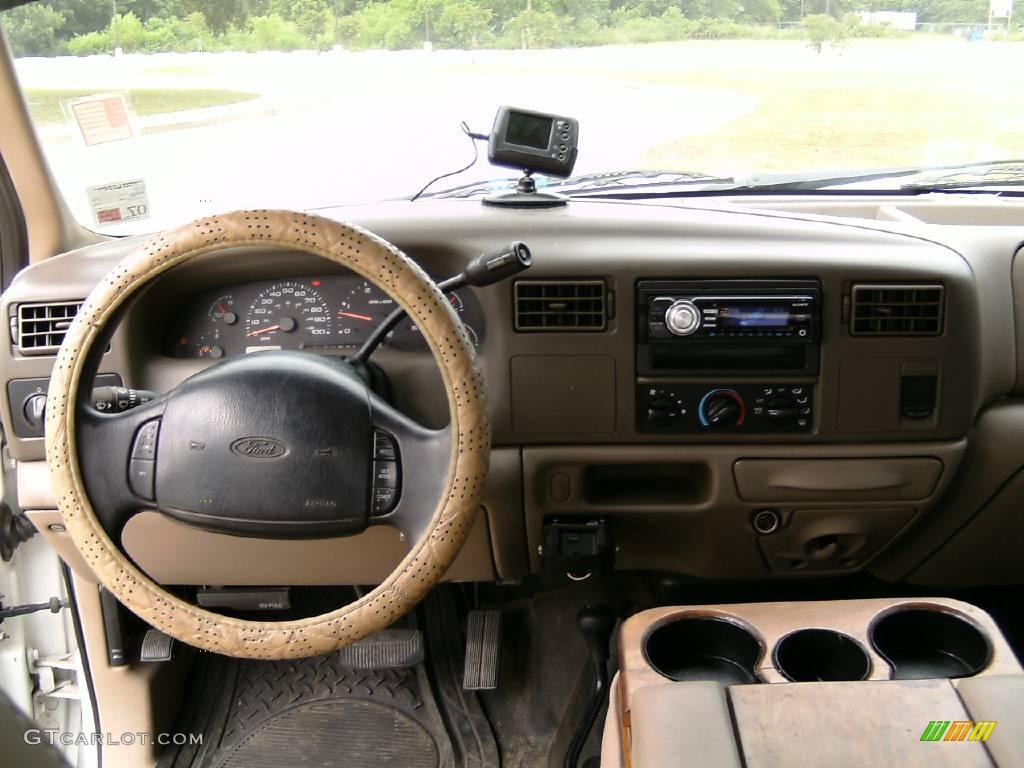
<point x="1003" y="173"/>
<point x="933" y="178"/>
<point x="593" y="182"/>
<point x="639" y="185"/>
<point x="633" y="180"/>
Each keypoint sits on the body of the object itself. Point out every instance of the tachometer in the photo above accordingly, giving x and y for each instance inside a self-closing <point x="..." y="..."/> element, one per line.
<point x="360" y="311"/>
<point x="288" y="314"/>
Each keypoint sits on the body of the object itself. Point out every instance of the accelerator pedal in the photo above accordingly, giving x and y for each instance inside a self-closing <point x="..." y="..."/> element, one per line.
<point x="483" y="650"/>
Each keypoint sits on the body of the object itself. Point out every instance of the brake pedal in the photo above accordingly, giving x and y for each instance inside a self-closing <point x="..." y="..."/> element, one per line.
<point x="386" y="649"/>
<point x="156" y="646"/>
<point x="483" y="650"/>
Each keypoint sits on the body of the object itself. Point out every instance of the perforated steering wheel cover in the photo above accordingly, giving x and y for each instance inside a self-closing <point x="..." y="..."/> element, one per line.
<point x="429" y="558"/>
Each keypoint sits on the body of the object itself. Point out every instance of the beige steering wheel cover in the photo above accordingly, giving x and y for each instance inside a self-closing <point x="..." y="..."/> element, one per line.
<point x="429" y="558"/>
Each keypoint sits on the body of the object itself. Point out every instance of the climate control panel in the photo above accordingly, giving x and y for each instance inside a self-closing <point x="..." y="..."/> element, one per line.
<point x="746" y="408"/>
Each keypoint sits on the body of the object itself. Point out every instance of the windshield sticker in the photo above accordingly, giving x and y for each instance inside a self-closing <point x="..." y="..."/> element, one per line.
<point x="118" y="202"/>
<point x="102" y="118"/>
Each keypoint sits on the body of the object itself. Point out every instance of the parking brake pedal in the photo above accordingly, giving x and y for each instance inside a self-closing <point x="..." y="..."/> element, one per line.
<point x="483" y="650"/>
<point x="156" y="646"/>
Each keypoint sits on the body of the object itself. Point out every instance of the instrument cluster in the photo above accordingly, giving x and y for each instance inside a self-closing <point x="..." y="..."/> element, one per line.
<point x="318" y="314"/>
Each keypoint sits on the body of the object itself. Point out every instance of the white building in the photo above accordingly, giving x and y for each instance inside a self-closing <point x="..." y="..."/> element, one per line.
<point x="903" y="20"/>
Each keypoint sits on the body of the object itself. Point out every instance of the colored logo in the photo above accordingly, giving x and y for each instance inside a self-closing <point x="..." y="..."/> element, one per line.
<point x="259" y="447"/>
<point x="958" y="730"/>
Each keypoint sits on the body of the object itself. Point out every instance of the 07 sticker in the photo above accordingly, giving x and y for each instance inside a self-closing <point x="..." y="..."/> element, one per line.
<point x="118" y="202"/>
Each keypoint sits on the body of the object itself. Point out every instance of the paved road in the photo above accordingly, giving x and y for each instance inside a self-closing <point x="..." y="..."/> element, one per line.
<point x="348" y="127"/>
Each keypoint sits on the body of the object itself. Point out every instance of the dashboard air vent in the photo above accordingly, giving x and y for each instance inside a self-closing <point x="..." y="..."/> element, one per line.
<point x="897" y="310"/>
<point x="41" y="327"/>
<point x="560" y="305"/>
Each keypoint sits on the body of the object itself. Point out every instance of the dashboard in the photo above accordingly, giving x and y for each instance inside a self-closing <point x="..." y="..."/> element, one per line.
<point x="323" y="313"/>
<point x="749" y="389"/>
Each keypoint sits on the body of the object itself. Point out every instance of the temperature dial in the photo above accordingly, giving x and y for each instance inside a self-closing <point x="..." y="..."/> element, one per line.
<point x="722" y="408"/>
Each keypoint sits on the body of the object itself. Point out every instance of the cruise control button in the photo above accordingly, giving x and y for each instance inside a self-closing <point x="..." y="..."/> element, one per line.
<point x="384" y="446"/>
<point x="144" y="446"/>
<point x="141" y="478"/>
<point x="385" y="474"/>
<point x="383" y="500"/>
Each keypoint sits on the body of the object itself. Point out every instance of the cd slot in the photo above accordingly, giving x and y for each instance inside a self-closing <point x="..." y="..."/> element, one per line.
<point x="731" y="358"/>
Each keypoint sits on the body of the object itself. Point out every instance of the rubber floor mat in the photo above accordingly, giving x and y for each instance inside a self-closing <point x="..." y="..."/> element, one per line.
<point x="309" y="712"/>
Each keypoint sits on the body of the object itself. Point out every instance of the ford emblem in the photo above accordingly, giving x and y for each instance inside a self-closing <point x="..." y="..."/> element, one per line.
<point x="259" y="447"/>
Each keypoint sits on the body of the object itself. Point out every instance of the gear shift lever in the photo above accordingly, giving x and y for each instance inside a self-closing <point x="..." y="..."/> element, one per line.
<point x="596" y="622"/>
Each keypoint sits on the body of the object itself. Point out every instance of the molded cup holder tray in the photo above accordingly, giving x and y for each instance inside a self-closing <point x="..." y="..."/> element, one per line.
<point x="812" y="655"/>
<point x="704" y="648"/>
<point x="875" y="639"/>
<point x="924" y="643"/>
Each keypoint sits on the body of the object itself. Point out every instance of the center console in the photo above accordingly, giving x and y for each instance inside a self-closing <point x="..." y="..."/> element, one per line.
<point x="728" y="334"/>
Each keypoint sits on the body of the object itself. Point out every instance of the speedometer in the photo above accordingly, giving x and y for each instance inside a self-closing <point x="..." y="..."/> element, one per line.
<point x="289" y="315"/>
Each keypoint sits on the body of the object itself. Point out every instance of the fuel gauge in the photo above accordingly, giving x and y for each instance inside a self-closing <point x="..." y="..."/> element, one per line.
<point x="207" y="344"/>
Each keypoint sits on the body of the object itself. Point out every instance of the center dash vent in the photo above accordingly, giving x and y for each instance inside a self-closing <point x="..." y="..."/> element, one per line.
<point x="41" y="327"/>
<point x="560" y="305"/>
<point x="897" y="310"/>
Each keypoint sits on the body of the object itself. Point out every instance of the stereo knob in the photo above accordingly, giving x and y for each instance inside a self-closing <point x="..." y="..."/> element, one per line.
<point x="722" y="408"/>
<point x="682" y="318"/>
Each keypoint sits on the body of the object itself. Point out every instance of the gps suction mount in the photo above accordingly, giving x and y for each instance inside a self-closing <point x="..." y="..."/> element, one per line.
<point x="526" y="195"/>
<point x="536" y="142"/>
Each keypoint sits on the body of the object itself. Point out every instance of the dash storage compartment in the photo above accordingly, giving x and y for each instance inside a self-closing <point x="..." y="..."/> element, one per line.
<point x="704" y="648"/>
<point x="924" y="642"/>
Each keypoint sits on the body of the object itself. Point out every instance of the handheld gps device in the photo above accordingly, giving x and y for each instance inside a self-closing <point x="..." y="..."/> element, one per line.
<point x="533" y="141"/>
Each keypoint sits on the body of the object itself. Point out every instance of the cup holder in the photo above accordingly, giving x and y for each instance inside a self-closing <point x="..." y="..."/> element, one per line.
<point x="813" y="655"/>
<point x="925" y="643"/>
<point x="704" y="648"/>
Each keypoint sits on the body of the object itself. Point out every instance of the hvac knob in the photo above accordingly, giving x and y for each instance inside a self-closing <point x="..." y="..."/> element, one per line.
<point x="722" y="408"/>
<point x="682" y="318"/>
<point x="781" y="410"/>
<point x="661" y="412"/>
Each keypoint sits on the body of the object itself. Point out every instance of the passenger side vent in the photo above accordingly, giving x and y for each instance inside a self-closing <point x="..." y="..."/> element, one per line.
<point x="560" y="305"/>
<point x="41" y="327"/>
<point x="897" y="310"/>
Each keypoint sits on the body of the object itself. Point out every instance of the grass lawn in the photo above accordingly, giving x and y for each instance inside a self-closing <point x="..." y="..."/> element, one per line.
<point x="881" y="106"/>
<point x="45" y="104"/>
<point x="872" y="103"/>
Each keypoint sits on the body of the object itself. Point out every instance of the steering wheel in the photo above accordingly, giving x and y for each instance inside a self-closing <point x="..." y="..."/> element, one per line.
<point x="279" y="444"/>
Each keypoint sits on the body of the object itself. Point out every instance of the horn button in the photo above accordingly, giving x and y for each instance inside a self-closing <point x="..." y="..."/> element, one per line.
<point x="275" y="443"/>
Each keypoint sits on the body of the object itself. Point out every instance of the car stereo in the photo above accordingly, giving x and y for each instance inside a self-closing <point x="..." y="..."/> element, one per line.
<point x="533" y="141"/>
<point x="722" y="326"/>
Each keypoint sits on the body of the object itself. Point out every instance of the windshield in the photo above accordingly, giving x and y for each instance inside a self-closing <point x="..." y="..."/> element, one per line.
<point x="153" y="112"/>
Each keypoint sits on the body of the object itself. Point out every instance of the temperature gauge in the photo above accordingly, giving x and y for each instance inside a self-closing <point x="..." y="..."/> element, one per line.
<point x="223" y="310"/>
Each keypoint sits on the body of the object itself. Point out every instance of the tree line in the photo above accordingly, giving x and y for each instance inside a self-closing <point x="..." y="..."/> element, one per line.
<point x="84" y="27"/>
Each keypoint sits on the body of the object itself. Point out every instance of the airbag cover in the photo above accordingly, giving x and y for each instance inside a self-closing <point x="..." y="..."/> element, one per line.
<point x="274" y="443"/>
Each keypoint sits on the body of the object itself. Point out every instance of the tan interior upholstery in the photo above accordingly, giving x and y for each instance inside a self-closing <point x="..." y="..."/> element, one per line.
<point x="390" y="270"/>
<point x="999" y="698"/>
<point x="682" y="724"/>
